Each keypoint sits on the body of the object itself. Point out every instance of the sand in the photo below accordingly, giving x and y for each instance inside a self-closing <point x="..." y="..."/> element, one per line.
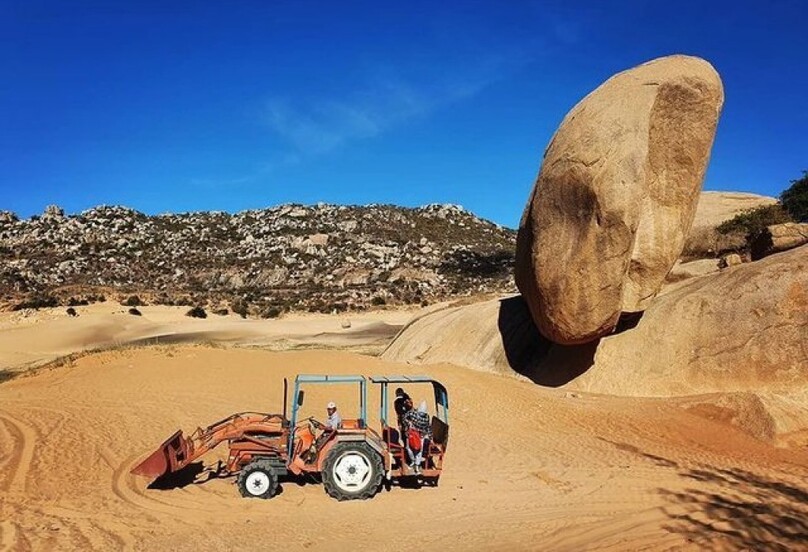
<point x="31" y="338"/>
<point x="527" y="468"/>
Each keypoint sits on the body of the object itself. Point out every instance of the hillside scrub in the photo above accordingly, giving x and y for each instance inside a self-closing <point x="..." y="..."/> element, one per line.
<point x="753" y="221"/>
<point x="795" y="199"/>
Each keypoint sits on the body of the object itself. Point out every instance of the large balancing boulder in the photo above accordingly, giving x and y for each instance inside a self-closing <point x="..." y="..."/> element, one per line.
<point x="615" y="197"/>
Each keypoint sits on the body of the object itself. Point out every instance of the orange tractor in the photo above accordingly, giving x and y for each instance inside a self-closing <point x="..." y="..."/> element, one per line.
<point x="352" y="459"/>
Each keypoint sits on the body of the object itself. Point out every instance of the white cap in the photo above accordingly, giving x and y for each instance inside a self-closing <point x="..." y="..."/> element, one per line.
<point x="332" y="404"/>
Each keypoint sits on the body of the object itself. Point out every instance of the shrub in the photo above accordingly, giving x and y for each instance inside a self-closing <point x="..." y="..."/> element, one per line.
<point x="753" y="221"/>
<point x="132" y="301"/>
<point x="37" y="301"/>
<point x="72" y="312"/>
<point x="271" y="312"/>
<point x="73" y="302"/>
<point x="240" y="307"/>
<point x="134" y="312"/>
<point x="221" y="312"/>
<point x="795" y="198"/>
<point x="378" y="301"/>
<point x="197" y="312"/>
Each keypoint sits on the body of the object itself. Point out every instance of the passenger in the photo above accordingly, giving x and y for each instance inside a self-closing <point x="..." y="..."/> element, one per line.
<point x="402" y="405"/>
<point x="418" y="435"/>
<point x="334" y="420"/>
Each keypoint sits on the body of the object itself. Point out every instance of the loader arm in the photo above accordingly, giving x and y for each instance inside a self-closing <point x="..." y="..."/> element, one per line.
<point x="178" y="451"/>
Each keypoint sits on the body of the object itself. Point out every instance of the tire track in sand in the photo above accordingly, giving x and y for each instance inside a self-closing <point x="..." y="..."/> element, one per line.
<point x="124" y="486"/>
<point x="22" y="455"/>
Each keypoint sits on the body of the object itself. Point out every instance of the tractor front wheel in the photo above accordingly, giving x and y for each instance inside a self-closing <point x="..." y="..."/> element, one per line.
<point x="257" y="480"/>
<point x="352" y="471"/>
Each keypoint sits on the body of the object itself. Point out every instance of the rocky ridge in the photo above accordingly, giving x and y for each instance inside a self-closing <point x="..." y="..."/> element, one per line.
<point x="317" y="258"/>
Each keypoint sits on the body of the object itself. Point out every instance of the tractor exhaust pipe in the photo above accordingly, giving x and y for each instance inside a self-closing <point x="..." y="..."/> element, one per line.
<point x="285" y="397"/>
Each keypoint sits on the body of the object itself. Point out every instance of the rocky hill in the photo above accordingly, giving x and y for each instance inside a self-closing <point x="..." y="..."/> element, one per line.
<point x="262" y="262"/>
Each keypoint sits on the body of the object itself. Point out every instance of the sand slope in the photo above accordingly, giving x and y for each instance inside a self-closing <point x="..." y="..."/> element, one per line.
<point x="528" y="468"/>
<point x="29" y="339"/>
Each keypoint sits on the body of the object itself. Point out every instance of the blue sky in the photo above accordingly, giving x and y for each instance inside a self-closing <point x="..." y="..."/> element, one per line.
<point x="175" y="106"/>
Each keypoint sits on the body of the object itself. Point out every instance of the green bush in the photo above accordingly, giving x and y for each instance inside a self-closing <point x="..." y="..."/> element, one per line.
<point x="795" y="198"/>
<point x="753" y="221"/>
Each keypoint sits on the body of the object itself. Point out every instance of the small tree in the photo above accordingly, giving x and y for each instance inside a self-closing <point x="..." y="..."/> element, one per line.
<point x="795" y="198"/>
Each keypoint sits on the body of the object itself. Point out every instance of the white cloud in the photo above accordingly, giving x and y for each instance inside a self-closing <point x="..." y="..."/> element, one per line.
<point x="328" y="123"/>
<point x="325" y="124"/>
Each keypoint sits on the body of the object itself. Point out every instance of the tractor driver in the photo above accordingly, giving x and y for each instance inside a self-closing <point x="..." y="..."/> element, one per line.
<point x="334" y="420"/>
<point x="332" y="423"/>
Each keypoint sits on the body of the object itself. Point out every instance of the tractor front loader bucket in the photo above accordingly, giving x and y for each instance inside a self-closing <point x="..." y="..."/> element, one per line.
<point x="174" y="454"/>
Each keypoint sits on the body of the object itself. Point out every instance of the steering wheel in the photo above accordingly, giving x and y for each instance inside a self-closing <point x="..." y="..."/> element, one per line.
<point x="312" y="423"/>
<point x="317" y="424"/>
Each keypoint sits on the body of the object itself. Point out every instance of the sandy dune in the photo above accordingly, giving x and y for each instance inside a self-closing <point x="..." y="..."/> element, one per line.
<point x="528" y="468"/>
<point x="29" y="339"/>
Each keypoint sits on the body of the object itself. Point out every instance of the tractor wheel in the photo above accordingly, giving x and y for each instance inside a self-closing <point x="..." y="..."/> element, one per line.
<point x="257" y="480"/>
<point x="352" y="471"/>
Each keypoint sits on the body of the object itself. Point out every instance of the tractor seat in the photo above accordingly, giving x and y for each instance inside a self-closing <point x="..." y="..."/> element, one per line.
<point x="355" y="423"/>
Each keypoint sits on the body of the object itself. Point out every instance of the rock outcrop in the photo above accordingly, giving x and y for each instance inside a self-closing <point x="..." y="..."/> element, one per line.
<point x="693" y="269"/>
<point x="703" y="240"/>
<point x="779" y="237"/>
<point x="716" y="207"/>
<point x="744" y="329"/>
<point x="616" y="196"/>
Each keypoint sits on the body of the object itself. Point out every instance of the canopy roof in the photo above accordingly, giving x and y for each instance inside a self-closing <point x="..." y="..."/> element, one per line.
<point x="402" y="379"/>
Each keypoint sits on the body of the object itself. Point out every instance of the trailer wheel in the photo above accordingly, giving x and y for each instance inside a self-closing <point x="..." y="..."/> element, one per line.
<point x="257" y="480"/>
<point x="352" y="471"/>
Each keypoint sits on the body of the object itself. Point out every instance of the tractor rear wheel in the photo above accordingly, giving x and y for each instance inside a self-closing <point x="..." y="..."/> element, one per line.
<point x="352" y="471"/>
<point x="258" y="479"/>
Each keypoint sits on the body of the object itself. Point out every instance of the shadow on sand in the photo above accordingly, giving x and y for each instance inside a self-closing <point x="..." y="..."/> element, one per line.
<point x="731" y="509"/>
<point x="182" y="478"/>
<point x="531" y="354"/>
<point x="737" y="509"/>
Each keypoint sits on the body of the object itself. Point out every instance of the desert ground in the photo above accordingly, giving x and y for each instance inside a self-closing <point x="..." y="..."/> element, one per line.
<point x="528" y="467"/>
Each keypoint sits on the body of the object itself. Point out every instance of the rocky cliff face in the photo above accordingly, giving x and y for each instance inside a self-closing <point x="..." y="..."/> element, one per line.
<point x="317" y="258"/>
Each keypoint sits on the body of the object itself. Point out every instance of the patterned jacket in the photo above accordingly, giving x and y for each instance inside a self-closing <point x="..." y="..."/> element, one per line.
<point x="419" y="421"/>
